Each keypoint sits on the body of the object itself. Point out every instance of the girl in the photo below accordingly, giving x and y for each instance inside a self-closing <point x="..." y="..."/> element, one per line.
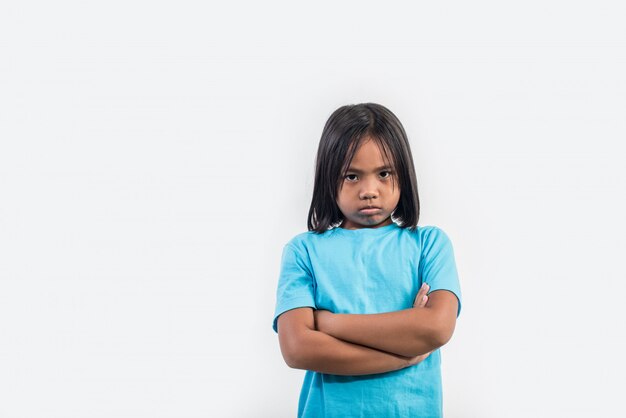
<point x="366" y="297"/>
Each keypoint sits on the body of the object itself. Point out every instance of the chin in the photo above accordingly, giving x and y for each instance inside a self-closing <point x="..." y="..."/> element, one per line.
<point x="371" y="222"/>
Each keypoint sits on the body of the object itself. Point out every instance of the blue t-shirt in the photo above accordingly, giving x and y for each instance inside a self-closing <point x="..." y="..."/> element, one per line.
<point x="367" y="271"/>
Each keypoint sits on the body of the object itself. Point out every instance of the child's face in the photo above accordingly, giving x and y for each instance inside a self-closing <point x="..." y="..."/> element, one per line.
<point x="367" y="183"/>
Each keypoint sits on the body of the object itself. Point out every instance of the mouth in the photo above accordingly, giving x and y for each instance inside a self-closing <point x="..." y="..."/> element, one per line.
<point x="369" y="210"/>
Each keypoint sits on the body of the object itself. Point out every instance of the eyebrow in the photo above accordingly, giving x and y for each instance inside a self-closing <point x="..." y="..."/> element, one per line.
<point x="356" y="170"/>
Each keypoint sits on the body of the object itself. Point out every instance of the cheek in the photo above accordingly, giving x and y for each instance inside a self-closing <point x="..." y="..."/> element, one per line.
<point x="395" y="193"/>
<point x="395" y="189"/>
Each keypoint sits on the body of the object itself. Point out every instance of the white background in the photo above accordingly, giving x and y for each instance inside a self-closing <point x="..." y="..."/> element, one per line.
<point x="156" y="156"/>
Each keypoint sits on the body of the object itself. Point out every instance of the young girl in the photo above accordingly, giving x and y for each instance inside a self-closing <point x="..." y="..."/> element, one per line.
<point x="366" y="297"/>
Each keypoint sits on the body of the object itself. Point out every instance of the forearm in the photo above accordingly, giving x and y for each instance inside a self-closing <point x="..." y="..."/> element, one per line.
<point x="323" y="353"/>
<point x="408" y="332"/>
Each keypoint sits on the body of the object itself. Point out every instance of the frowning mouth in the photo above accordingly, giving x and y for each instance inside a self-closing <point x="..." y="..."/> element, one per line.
<point x="369" y="210"/>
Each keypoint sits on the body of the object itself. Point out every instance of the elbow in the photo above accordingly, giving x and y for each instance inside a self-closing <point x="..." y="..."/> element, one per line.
<point x="297" y="361"/>
<point x="434" y="341"/>
<point x="289" y="356"/>
<point x="292" y="352"/>
<point x="442" y="338"/>
<point x="442" y="334"/>
<point x="425" y="342"/>
<point x="431" y="338"/>
<point x="292" y="359"/>
<point x="294" y="336"/>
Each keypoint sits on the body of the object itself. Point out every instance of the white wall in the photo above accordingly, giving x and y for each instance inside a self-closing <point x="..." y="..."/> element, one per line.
<point x="154" y="159"/>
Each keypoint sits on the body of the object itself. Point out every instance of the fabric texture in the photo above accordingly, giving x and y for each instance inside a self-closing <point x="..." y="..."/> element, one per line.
<point x="366" y="271"/>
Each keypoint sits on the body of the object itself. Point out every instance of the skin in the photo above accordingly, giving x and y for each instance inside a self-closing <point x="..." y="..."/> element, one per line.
<point x="367" y="185"/>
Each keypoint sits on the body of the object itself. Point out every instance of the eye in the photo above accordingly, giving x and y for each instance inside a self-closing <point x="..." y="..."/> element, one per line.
<point x="349" y="176"/>
<point x="388" y="174"/>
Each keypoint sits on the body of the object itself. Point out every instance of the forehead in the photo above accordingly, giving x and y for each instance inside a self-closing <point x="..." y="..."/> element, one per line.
<point x="369" y="156"/>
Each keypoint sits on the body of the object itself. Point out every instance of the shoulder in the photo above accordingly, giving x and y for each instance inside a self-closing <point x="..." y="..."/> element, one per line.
<point x="302" y="242"/>
<point x="432" y="231"/>
<point x="304" y="239"/>
<point x="429" y="234"/>
<point x="432" y="240"/>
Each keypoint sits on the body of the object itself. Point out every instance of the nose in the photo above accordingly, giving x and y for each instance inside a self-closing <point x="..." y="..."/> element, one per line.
<point x="368" y="190"/>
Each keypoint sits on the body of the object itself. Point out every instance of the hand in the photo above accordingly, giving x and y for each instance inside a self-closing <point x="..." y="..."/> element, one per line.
<point x="422" y="298"/>
<point x="321" y="317"/>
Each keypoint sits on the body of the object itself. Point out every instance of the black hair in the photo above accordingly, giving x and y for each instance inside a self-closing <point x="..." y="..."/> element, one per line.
<point x="344" y="130"/>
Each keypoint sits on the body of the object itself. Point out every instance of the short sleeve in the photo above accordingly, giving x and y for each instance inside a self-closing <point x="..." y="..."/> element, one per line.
<point x="296" y="286"/>
<point x="437" y="265"/>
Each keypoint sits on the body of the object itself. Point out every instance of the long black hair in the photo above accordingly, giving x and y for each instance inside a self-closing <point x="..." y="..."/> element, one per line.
<point x="342" y="134"/>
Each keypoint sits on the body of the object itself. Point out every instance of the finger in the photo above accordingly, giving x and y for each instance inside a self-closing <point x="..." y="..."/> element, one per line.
<point x="422" y="291"/>
<point x="420" y="295"/>
<point x="422" y="302"/>
<point x="418" y="298"/>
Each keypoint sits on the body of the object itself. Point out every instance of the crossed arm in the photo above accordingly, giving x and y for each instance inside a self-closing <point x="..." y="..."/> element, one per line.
<point x="347" y="344"/>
